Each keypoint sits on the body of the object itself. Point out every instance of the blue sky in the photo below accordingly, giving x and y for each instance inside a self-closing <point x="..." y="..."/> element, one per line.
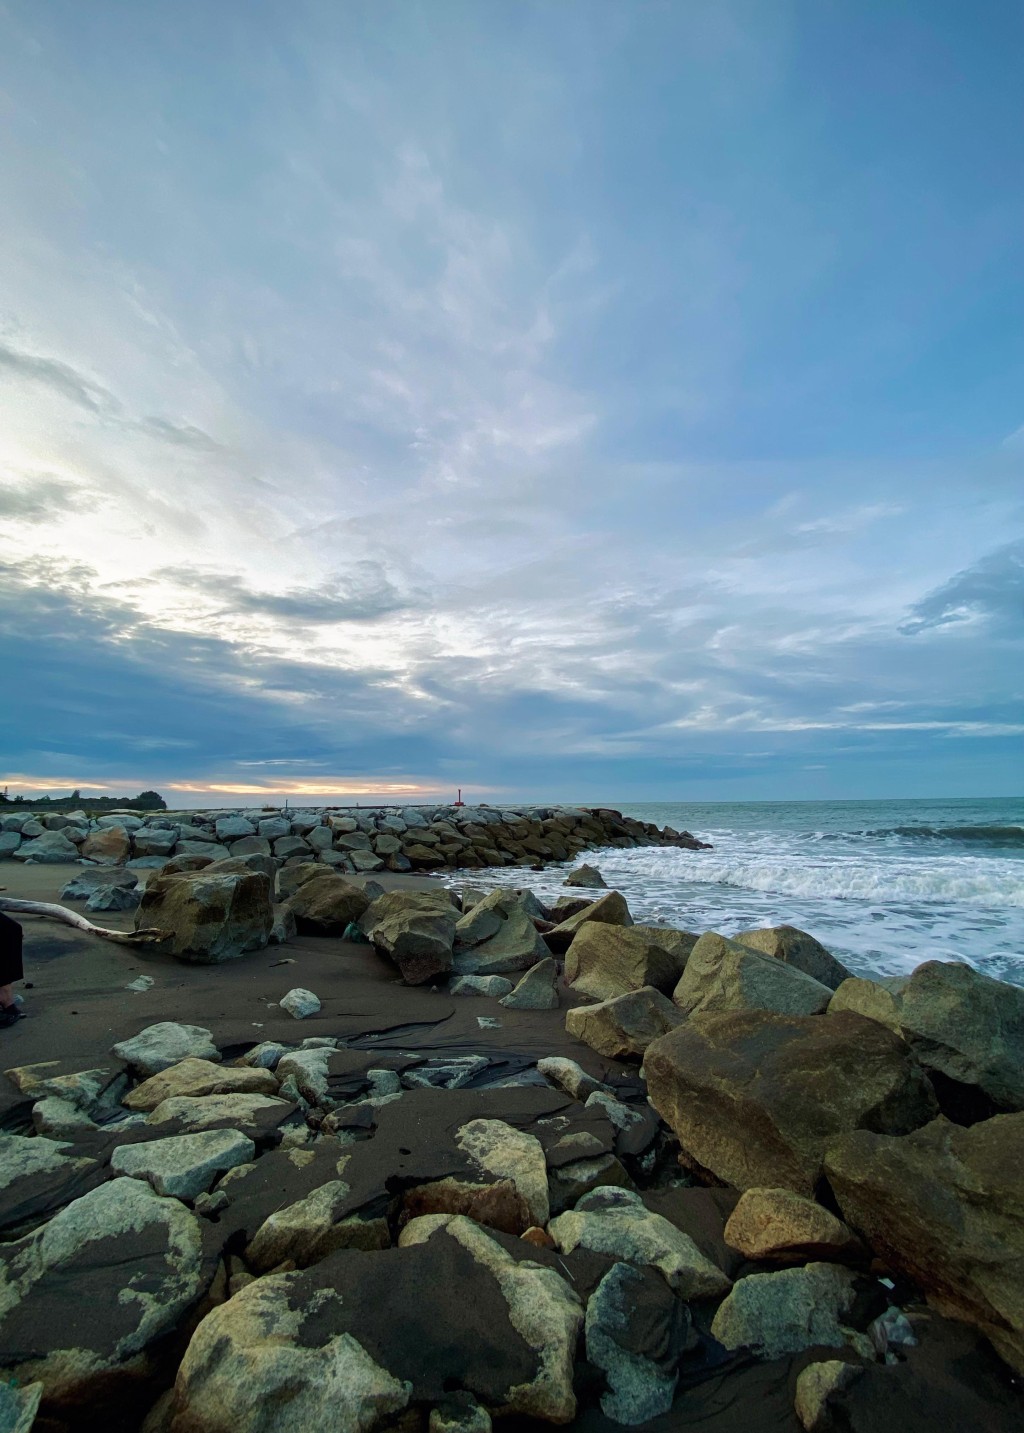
<point x="578" y="400"/>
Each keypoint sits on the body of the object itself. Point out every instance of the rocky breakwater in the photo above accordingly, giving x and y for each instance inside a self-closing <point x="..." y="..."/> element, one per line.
<point x="357" y="839"/>
<point x="747" y="1201"/>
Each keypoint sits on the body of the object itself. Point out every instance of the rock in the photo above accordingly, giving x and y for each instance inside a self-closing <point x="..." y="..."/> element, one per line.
<point x="568" y="1076"/>
<point x="114" y="898"/>
<point x="290" y="878"/>
<point x="299" y="1003"/>
<point x="253" y="1115"/>
<point x="778" y="1225"/>
<point x="537" y="990"/>
<point x="756" y="1097"/>
<point x="134" y="1258"/>
<point x="615" y="1222"/>
<point x="310" y="1070"/>
<point x="459" y="1413"/>
<point x="60" y="1119"/>
<point x="195" y="1077"/>
<point x="50" y="848"/>
<point x="611" y="909"/>
<point x="184" y="1165"/>
<point x="588" y="876"/>
<point x="272" y="827"/>
<point x="798" y="949"/>
<point x="9" y="843"/>
<point x="38" y="1177"/>
<point x="154" y="843"/>
<point x="508" y="1153"/>
<point x="446" y="1073"/>
<point x="721" y="974"/>
<point x="231" y="828"/>
<point x="99" y="878"/>
<point x="304" y="1339"/>
<point x="265" y="1055"/>
<point x="112" y="846"/>
<point x="366" y="861"/>
<point x="945" y="1207"/>
<point x="493" y="985"/>
<point x="415" y="930"/>
<point x="211" y="917"/>
<point x="815" y="1384"/>
<point x="624" y="1026"/>
<point x="636" y="1329"/>
<point x="240" y="864"/>
<point x="497" y="936"/>
<point x="569" y="1182"/>
<point x="959" y="1022"/>
<point x="604" y="961"/>
<point x="287" y="846"/>
<point x="208" y="848"/>
<point x="159" y="1046"/>
<point x="309" y="1230"/>
<point x="788" y="1311"/>
<point x="18" y="1407"/>
<point x="567" y="906"/>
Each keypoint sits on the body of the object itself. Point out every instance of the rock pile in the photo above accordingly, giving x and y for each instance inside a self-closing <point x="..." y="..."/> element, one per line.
<point x="323" y="1234"/>
<point x="364" y="839"/>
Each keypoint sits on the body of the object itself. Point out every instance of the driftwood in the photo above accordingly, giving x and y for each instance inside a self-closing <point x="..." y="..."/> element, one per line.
<point x="61" y="913"/>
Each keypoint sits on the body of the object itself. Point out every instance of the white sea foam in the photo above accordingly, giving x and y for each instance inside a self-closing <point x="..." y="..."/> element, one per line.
<point x="883" y="894"/>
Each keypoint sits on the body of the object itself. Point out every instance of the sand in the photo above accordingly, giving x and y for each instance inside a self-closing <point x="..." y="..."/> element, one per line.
<point x="77" y="1005"/>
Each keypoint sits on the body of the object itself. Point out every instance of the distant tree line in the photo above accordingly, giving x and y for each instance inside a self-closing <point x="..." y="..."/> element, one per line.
<point x="145" y="801"/>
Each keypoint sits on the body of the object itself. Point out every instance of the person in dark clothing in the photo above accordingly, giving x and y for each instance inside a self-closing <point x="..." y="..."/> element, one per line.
<point x="10" y="969"/>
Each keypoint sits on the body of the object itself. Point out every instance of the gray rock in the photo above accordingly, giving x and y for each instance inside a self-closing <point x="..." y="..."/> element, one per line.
<point x="114" y="898"/>
<point x="9" y="842"/>
<point x="616" y="1222"/>
<point x="959" y="1022"/>
<point x="155" y="843"/>
<point x="538" y="989"/>
<point x="798" y="949"/>
<point x="139" y="1256"/>
<point x="365" y="861"/>
<point x="786" y="1312"/>
<point x="287" y="846"/>
<point x="641" y="1386"/>
<point x="604" y="961"/>
<point x="586" y="876"/>
<point x="97" y="878"/>
<point x="611" y="909"/>
<point x="498" y="936"/>
<point x="626" y="1026"/>
<point x="18" y="1407"/>
<point x="300" y="1003"/>
<point x="253" y="1115"/>
<point x="49" y="848"/>
<point x="231" y="828"/>
<point x="493" y="985"/>
<point x="271" y="828"/>
<point x="723" y="975"/>
<point x="415" y="930"/>
<point x="184" y="1166"/>
<point x="815" y="1385"/>
<point x="159" y="1046"/>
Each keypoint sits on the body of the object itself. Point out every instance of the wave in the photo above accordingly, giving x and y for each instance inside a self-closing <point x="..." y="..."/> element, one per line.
<point x="996" y="837"/>
<point x="885" y="884"/>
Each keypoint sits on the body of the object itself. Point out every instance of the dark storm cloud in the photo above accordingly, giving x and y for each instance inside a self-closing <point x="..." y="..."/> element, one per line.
<point x="992" y="589"/>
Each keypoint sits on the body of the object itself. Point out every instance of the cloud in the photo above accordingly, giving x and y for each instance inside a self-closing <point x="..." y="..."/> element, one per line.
<point x="38" y="499"/>
<point x="362" y="594"/>
<point x="990" y="591"/>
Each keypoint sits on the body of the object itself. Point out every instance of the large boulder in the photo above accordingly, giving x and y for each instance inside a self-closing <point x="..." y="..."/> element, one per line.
<point x="37" y="1177"/>
<point x="796" y="948"/>
<point x="497" y="936"/>
<point x="323" y="1342"/>
<point x="586" y="876"/>
<point x="183" y="1166"/>
<point x="607" y="960"/>
<point x="112" y="846"/>
<point x="415" y="930"/>
<point x="961" y="1023"/>
<point x="538" y="989"/>
<point x="786" y="1312"/>
<point x="625" y="1026"/>
<point x="211" y="917"/>
<point x="86" y="1301"/>
<point x="50" y="848"/>
<point x="611" y="909"/>
<point x="326" y="903"/>
<point x="615" y="1222"/>
<point x="756" y="1097"/>
<point x="636" y="1329"/>
<point x="945" y="1207"/>
<point x="721" y="974"/>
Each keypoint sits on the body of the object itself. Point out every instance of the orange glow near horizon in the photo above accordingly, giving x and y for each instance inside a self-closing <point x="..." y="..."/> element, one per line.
<point x="341" y="786"/>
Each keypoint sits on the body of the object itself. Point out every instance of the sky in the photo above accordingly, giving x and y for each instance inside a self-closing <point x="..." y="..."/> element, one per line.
<point x="566" y="401"/>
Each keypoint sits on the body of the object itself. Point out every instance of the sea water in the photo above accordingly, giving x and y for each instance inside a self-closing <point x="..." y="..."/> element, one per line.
<point x="884" y="885"/>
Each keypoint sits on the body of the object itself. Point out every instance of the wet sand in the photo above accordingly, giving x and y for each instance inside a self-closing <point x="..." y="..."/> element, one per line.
<point x="77" y="1006"/>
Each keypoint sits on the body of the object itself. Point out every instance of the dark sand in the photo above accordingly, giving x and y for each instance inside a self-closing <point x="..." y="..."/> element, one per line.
<point x="78" y="1007"/>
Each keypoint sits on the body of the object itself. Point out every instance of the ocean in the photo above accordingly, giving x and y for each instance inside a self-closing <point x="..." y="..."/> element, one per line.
<point x="884" y="885"/>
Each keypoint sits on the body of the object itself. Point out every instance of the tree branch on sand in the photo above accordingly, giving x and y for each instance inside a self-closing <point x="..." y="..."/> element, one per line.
<point x="61" y="913"/>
